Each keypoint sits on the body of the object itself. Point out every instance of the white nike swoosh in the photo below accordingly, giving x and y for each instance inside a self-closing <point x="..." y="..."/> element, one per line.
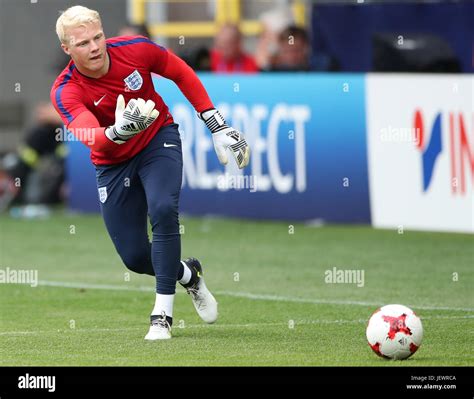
<point x="169" y="145"/>
<point x="96" y="103"/>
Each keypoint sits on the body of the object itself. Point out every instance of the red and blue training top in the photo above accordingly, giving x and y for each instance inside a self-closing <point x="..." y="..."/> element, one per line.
<point x="86" y="103"/>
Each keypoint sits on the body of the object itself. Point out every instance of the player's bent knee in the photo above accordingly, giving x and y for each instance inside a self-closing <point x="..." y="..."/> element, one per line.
<point x="137" y="262"/>
<point x="164" y="211"/>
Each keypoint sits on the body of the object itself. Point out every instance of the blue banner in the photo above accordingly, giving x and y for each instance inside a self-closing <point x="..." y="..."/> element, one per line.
<point x="307" y="134"/>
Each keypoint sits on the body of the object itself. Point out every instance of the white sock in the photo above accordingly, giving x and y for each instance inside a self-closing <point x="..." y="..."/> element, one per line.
<point x="163" y="303"/>
<point x="186" y="275"/>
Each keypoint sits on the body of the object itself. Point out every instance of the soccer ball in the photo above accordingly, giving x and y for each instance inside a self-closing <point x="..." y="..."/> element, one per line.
<point x="394" y="332"/>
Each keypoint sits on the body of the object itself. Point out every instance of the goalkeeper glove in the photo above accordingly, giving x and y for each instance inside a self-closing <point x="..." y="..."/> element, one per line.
<point x="225" y="137"/>
<point x="131" y="120"/>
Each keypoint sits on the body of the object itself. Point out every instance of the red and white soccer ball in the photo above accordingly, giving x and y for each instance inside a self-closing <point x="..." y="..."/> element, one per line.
<point x="394" y="332"/>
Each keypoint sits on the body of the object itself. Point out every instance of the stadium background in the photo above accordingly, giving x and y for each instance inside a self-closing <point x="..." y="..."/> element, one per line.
<point x="385" y="140"/>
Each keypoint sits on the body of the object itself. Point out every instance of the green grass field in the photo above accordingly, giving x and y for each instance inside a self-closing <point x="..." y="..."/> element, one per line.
<point x="275" y="307"/>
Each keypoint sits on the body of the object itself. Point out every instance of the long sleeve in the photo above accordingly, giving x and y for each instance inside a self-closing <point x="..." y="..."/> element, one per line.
<point x="87" y="129"/>
<point x="188" y="82"/>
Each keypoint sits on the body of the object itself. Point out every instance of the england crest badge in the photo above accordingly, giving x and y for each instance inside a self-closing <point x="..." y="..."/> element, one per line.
<point x="134" y="81"/>
<point x="102" y="194"/>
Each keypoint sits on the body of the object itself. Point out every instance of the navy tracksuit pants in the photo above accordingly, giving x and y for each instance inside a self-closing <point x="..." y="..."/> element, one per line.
<point x="148" y="185"/>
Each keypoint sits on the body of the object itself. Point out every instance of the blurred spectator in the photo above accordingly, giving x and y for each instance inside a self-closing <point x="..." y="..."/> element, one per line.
<point x="273" y="22"/>
<point x="134" y="30"/>
<point x="202" y="59"/>
<point x="34" y="173"/>
<point x="228" y="55"/>
<point x="293" y="50"/>
<point x="197" y="58"/>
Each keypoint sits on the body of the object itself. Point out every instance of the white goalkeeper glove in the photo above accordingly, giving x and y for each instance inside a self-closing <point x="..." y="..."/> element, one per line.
<point x="131" y="120"/>
<point x="225" y="137"/>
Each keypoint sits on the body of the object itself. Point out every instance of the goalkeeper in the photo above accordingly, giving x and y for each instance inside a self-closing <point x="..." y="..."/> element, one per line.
<point x="105" y="96"/>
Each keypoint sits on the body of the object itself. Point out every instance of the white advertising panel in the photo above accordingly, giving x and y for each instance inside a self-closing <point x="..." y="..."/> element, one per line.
<point x="420" y="137"/>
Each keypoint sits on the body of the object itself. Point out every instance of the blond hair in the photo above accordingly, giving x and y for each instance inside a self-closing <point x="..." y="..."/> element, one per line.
<point x="73" y="17"/>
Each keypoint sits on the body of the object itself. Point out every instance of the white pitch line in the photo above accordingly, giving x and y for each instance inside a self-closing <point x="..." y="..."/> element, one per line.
<point x="295" y="323"/>
<point x="246" y="295"/>
<point x="328" y="301"/>
<point x="177" y="327"/>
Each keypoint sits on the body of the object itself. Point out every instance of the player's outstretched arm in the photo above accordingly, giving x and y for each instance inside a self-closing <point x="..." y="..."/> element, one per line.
<point x="223" y="136"/>
<point x="137" y="116"/>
